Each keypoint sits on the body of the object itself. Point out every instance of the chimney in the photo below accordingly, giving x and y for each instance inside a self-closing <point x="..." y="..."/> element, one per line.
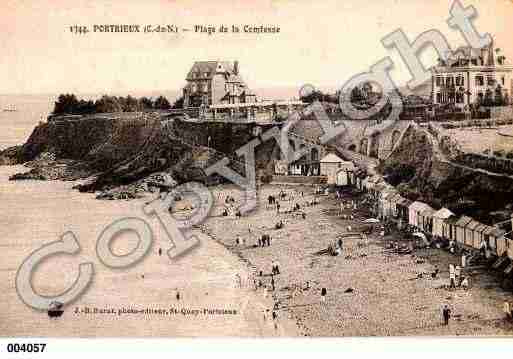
<point x="236" y="67"/>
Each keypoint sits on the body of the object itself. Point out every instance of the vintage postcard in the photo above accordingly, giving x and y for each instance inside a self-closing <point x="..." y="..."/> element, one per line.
<point x="222" y="168"/>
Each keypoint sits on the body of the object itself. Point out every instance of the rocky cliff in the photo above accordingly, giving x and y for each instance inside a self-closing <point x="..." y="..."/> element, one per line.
<point x="121" y="149"/>
<point x="421" y="173"/>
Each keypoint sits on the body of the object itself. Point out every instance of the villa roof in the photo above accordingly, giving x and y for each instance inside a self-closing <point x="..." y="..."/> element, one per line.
<point x="209" y="67"/>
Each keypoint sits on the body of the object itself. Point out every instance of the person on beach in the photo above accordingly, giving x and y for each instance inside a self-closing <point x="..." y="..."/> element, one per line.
<point x="160" y="251"/>
<point x="452" y="276"/>
<point x="457" y="275"/>
<point x="465" y="283"/>
<point x="446" y="314"/>
<point x="272" y="283"/>
<point x="507" y="310"/>
<point x="323" y="295"/>
<point x="435" y="272"/>
<point x="277" y="207"/>
<point x="237" y="241"/>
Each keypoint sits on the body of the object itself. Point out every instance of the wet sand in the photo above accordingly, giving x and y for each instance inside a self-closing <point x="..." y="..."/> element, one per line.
<point x="34" y="213"/>
<point x="371" y="291"/>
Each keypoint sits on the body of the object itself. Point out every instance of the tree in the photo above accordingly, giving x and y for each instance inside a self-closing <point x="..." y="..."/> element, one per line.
<point x="488" y="98"/>
<point x="146" y="103"/>
<point x="131" y="104"/>
<point x="66" y="103"/>
<point x="178" y="103"/>
<point x="499" y="98"/>
<point x="108" y="104"/>
<point x="161" y="103"/>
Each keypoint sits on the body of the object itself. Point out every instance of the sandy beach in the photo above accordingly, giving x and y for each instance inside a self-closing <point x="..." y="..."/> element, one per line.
<point x="370" y="290"/>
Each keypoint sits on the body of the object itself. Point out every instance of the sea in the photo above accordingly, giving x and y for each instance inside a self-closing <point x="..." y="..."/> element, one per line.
<point x="16" y="127"/>
<point x="127" y="302"/>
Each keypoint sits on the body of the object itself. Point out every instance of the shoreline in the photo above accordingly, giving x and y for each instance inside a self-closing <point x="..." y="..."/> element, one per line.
<point x="40" y="211"/>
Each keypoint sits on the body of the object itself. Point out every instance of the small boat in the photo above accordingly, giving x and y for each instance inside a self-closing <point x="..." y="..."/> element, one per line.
<point x="55" y="309"/>
<point x="10" y="108"/>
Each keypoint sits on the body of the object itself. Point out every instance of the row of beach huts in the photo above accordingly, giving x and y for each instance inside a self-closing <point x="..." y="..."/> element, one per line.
<point x="441" y="223"/>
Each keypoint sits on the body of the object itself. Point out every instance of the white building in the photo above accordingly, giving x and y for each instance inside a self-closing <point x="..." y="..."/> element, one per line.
<point x="329" y="165"/>
<point x="471" y="77"/>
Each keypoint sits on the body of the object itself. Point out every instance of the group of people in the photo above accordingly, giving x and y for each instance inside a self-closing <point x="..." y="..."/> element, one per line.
<point x="264" y="241"/>
<point x="456" y="279"/>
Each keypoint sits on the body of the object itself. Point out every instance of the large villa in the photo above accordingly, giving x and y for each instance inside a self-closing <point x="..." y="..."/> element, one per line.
<point x="472" y="77"/>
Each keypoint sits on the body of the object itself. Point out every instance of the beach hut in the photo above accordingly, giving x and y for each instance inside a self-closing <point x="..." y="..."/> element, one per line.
<point x="394" y="200"/>
<point x="425" y="218"/>
<point x="460" y="226"/>
<point x="494" y="239"/>
<point x="449" y="228"/>
<point x="371" y="182"/>
<point x="439" y="225"/>
<point x="330" y="164"/>
<point x="384" y="202"/>
<point x="497" y="240"/>
<point x="345" y="174"/>
<point x="402" y="207"/>
<point x="414" y="211"/>
<point x="470" y="233"/>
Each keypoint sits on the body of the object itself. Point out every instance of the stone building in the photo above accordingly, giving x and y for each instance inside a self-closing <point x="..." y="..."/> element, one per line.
<point x="472" y="77"/>
<point x="215" y="82"/>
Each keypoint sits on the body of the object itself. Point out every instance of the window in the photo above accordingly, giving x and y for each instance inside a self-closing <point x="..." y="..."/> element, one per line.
<point x="503" y="81"/>
<point x="449" y="81"/>
<point x="479" y="80"/>
<point x="460" y="81"/>
<point x="438" y="81"/>
<point x="438" y="97"/>
<point x="490" y="80"/>
<point x="459" y="97"/>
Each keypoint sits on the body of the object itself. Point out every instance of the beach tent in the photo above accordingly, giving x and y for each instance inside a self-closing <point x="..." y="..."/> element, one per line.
<point x="439" y="225"/>
<point x="460" y="228"/>
<point x="414" y="213"/>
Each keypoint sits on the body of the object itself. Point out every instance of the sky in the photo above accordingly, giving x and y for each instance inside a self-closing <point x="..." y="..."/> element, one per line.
<point x="322" y="43"/>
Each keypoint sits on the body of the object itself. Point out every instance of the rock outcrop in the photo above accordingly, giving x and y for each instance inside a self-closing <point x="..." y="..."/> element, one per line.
<point x="121" y="149"/>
